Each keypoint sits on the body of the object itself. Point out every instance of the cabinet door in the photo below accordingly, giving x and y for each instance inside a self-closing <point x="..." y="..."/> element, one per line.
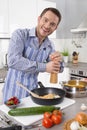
<point x="22" y="14"/>
<point x="4" y="25"/>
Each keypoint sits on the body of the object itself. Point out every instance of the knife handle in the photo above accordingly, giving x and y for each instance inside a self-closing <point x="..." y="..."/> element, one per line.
<point x="12" y="128"/>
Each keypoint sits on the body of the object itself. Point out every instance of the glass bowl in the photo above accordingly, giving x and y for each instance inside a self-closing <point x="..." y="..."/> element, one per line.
<point x="12" y="106"/>
<point x="13" y="102"/>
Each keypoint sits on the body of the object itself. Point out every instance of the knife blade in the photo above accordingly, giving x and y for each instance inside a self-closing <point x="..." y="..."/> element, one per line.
<point x="32" y="126"/>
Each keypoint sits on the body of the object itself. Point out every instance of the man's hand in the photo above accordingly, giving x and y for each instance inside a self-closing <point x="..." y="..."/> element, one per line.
<point x="53" y="66"/>
<point x="56" y="56"/>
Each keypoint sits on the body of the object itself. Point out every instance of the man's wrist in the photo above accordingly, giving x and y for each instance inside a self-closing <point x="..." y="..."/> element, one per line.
<point x="41" y="67"/>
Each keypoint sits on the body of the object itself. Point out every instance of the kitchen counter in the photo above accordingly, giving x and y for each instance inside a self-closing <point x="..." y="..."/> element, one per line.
<point x="69" y="113"/>
<point x="80" y="65"/>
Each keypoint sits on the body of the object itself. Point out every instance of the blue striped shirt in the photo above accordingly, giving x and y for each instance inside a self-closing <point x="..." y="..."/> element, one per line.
<point x="26" y="58"/>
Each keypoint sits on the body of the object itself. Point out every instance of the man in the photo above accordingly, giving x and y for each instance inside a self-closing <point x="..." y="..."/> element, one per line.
<point x="30" y="52"/>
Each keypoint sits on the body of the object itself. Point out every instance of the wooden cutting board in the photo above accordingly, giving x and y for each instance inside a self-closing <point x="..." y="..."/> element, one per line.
<point x="27" y="102"/>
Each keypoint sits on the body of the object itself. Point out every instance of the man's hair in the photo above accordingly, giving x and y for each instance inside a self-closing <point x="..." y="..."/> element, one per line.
<point x="54" y="10"/>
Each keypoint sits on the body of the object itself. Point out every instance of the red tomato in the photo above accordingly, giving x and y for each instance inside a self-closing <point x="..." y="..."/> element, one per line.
<point x="12" y="101"/>
<point x="47" y="122"/>
<point x="56" y="119"/>
<point x="47" y="114"/>
<point x="57" y="112"/>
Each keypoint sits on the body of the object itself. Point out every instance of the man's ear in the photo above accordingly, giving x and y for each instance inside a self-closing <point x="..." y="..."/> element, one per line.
<point x="39" y="18"/>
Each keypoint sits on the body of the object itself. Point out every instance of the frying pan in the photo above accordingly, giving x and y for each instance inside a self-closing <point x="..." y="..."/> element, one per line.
<point x="48" y="90"/>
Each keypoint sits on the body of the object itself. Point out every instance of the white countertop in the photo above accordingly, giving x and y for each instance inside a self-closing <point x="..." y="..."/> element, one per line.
<point x="27" y="102"/>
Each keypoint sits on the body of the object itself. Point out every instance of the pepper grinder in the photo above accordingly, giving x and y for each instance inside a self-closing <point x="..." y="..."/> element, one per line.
<point x="53" y="78"/>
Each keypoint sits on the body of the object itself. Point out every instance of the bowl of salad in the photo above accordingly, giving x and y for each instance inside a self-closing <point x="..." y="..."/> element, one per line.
<point x="12" y="102"/>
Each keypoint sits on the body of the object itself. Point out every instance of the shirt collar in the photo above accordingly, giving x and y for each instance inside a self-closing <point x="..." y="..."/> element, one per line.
<point x="32" y="33"/>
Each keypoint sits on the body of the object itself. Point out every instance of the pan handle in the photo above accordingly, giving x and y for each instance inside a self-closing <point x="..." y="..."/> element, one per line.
<point x="41" y="85"/>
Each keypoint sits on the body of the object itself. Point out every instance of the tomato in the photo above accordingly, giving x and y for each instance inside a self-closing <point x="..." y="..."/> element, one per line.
<point x="47" y="114"/>
<point x="47" y="122"/>
<point x="56" y="119"/>
<point x="57" y="112"/>
<point x="13" y="101"/>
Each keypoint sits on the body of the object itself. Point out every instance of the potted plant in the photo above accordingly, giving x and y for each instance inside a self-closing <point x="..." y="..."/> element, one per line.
<point x="65" y="54"/>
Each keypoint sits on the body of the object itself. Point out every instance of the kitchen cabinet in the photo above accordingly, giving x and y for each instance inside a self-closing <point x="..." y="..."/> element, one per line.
<point x="16" y="14"/>
<point x="22" y="14"/>
<point x="25" y="14"/>
<point x="4" y="18"/>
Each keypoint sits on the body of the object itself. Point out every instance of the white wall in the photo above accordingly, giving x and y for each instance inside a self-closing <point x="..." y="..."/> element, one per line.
<point x="60" y="44"/>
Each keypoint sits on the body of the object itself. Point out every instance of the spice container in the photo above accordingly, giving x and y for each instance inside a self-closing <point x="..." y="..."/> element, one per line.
<point x="75" y="57"/>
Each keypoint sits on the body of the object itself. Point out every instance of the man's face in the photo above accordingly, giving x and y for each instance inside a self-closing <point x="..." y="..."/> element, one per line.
<point x="47" y="24"/>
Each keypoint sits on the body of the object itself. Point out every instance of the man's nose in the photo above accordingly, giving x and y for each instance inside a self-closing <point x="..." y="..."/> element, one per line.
<point x="47" y="25"/>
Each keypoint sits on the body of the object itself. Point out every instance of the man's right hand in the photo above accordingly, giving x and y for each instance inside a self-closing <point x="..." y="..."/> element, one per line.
<point x="53" y="67"/>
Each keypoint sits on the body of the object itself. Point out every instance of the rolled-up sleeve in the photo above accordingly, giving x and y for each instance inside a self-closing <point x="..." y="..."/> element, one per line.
<point x="41" y="67"/>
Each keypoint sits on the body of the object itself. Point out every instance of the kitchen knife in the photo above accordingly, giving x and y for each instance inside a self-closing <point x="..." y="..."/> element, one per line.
<point x="12" y="128"/>
<point x="32" y="126"/>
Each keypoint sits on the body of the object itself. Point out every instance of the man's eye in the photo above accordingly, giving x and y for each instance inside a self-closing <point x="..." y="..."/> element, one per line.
<point x="53" y="24"/>
<point x="45" y="20"/>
